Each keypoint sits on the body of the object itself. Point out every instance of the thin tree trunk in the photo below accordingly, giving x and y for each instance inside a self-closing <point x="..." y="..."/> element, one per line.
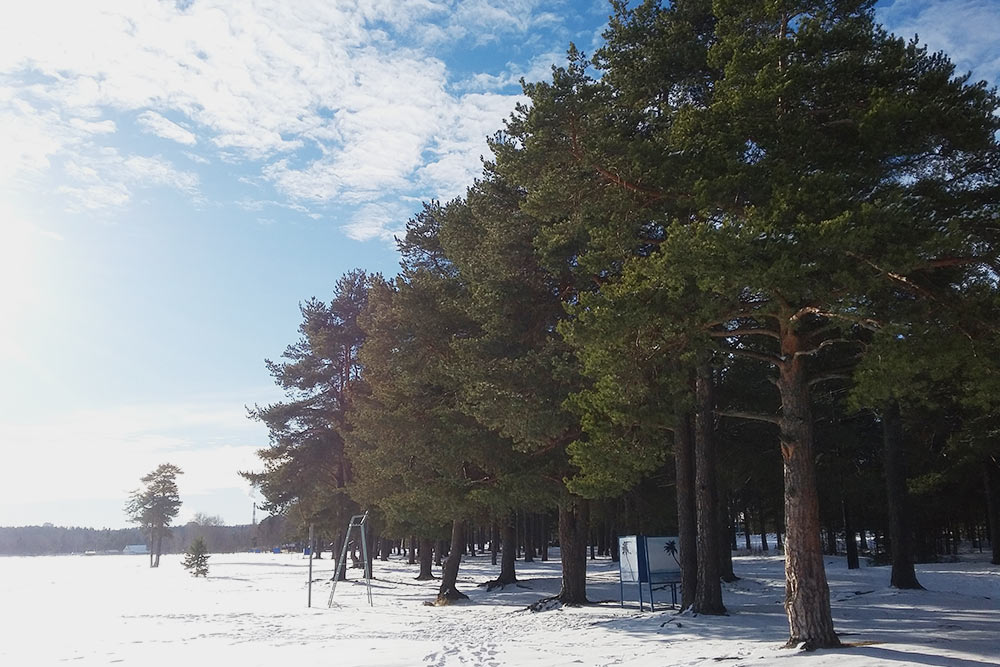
<point x="412" y="557"/>
<point x="544" y="534"/>
<point x="686" y="518"/>
<point x="426" y="560"/>
<point x="807" y="594"/>
<point x="493" y="542"/>
<point x="900" y="540"/>
<point x="850" y="538"/>
<point x="746" y="529"/>
<point x="574" y="519"/>
<point x="708" y="590"/>
<point x="159" y="547"/>
<point x="448" y="592"/>
<point x="991" y="477"/>
<point x="763" y="528"/>
<point x="529" y="539"/>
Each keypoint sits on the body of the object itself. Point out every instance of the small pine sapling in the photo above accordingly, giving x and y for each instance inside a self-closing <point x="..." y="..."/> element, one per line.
<point x="196" y="559"/>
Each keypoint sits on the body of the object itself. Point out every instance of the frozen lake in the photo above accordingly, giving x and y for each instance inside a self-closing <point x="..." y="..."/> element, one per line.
<point x="251" y="610"/>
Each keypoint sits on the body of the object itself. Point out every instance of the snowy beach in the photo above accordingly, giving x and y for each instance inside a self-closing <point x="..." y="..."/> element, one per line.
<point x="251" y="610"/>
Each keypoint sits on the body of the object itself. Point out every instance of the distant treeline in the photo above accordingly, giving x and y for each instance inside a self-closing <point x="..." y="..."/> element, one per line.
<point x="49" y="540"/>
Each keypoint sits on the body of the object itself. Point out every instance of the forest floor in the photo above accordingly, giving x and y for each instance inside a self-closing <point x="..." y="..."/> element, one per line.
<point x="251" y="610"/>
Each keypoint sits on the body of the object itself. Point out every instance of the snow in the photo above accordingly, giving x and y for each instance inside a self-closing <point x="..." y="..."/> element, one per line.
<point x="251" y="610"/>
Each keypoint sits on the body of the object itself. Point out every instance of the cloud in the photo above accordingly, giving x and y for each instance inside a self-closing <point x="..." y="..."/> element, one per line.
<point x="105" y="179"/>
<point x="964" y="29"/>
<point x="383" y="221"/>
<point x="327" y="102"/>
<point x="166" y="128"/>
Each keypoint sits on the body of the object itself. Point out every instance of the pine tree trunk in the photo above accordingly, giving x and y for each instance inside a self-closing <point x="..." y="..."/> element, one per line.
<point x="544" y="535"/>
<point x="412" y="557"/>
<point x="686" y="518"/>
<point x="508" y="555"/>
<point x="708" y="590"/>
<point x="529" y="539"/>
<point x="448" y="592"/>
<point x="439" y="552"/>
<point x="574" y="522"/>
<point x="426" y="560"/>
<point x="991" y="476"/>
<point x="807" y="594"/>
<point x="763" y="529"/>
<point x="338" y="548"/>
<point x="727" y="539"/>
<point x="850" y="538"/>
<point x="746" y="529"/>
<point x="159" y="547"/>
<point x="900" y="540"/>
<point x="493" y="542"/>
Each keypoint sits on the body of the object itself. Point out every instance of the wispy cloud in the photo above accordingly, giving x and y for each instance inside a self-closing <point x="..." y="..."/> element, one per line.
<point x="103" y="178"/>
<point x="965" y="29"/>
<point x="327" y="102"/>
<point x="166" y="128"/>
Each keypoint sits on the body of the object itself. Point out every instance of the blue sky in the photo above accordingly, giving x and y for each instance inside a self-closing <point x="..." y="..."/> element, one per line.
<point x="175" y="177"/>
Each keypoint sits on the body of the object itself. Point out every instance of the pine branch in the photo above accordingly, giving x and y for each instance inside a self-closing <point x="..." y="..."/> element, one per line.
<point x="753" y="416"/>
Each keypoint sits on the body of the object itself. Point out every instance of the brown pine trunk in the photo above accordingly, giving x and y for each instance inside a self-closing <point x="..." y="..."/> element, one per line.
<point x="900" y="540"/>
<point x="686" y="518"/>
<point x="412" y="556"/>
<point x="807" y="594"/>
<point x="708" y="589"/>
<point x="991" y="477"/>
<point x="574" y="520"/>
<point x="426" y="560"/>
<point x="448" y="592"/>
<point x="508" y="555"/>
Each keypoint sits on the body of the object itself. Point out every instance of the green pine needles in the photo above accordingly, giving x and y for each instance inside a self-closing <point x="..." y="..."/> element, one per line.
<point x="196" y="559"/>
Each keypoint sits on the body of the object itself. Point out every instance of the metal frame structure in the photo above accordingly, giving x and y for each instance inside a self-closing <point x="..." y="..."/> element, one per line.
<point x="357" y="521"/>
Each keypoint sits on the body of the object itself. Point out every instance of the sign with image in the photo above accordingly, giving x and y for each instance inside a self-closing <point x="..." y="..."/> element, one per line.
<point x="649" y="561"/>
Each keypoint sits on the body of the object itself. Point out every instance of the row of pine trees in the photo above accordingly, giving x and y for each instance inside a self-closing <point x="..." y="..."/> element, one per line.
<point x="741" y="263"/>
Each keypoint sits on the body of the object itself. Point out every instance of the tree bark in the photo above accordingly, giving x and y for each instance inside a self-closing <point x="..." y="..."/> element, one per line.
<point x="448" y="592"/>
<point x="991" y="477"/>
<point x="412" y="556"/>
<point x="426" y="560"/>
<point x="850" y="538"/>
<point x="763" y="529"/>
<point x="529" y="539"/>
<point x="508" y="555"/>
<point x="159" y="547"/>
<point x="807" y="594"/>
<point x="544" y="536"/>
<point x="727" y="539"/>
<point x="686" y="518"/>
<point x="708" y="589"/>
<point x="900" y="540"/>
<point x="574" y="519"/>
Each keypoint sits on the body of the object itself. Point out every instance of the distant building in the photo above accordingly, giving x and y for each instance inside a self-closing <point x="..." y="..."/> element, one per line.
<point x="141" y="549"/>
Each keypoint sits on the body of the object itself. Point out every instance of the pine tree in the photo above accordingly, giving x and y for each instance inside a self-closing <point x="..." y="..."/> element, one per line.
<point x="154" y="506"/>
<point x="196" y="559"/>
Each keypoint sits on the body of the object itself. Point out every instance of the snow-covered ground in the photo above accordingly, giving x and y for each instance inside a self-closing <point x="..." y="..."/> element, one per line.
<point x="251" y="610"/>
